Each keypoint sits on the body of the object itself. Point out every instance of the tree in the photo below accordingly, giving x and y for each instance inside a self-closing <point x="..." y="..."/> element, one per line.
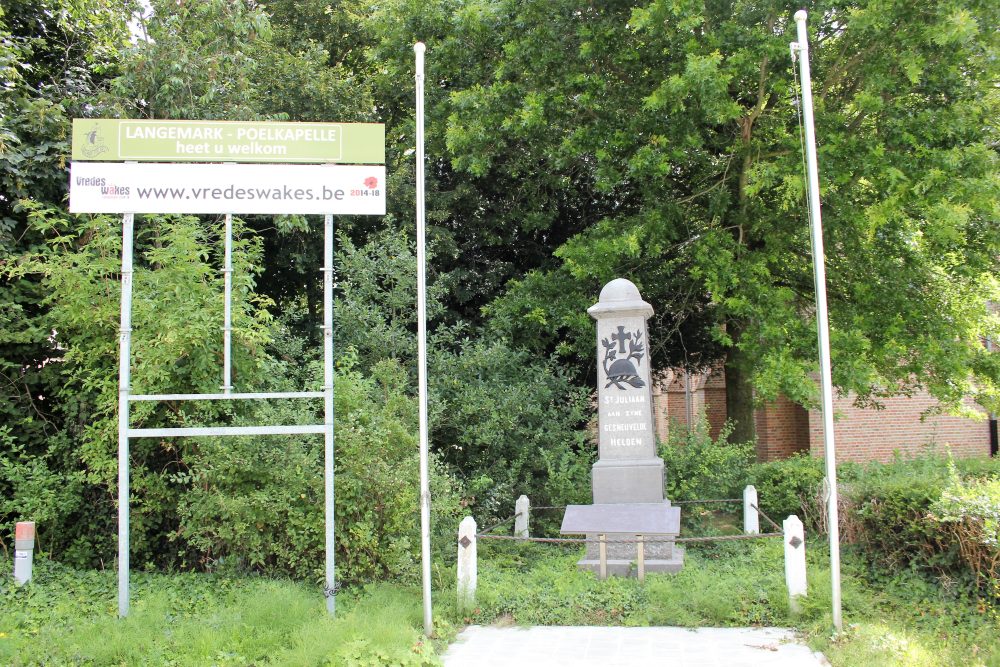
<point x="669" y="133"/>
<point x="55" y="59"/>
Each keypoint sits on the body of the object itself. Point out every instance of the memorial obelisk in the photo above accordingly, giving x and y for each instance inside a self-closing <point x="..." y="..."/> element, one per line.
<point x="628" y="478"/>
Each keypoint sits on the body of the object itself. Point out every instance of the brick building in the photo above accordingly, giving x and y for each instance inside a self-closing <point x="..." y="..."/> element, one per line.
<point x="784" y="427"/>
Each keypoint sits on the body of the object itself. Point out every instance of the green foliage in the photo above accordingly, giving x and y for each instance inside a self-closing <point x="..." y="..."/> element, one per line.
<point x="177" y="314"/>
<point x="722" y="585"/>
<point x="790" y="486"/>
<point x="968" y="511"/>
<point x="68" y="617"/>
<point x="550" y="592"/>
<point x="55" y="58"/>
<point x="892" y="512"/>
<point x="505" y="419"/>
<point x="253" y="503"/>
<point x="257" y="503"/>
<point x="376" y="304"/>
<point x="929" y="514"/>
<point x="975" y="501"/>
<point x="660" y="142"/>
<point x="901" y="618"/>
<point x="198" y="62"/>
<point x="699" y="468"/>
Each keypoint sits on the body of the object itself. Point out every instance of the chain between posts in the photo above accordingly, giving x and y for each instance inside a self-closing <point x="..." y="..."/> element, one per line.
<point x="497" y="525"/>
<point x="706" y="502"/>
<point x="645" y="540"/>
<point x="672" y="502"/>
<point x="486" y="534"/>
<point x="766" y="517"/>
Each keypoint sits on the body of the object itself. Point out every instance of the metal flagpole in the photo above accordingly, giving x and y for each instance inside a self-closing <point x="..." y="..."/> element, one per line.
<point x="425" y="493"/>
<point x="124" y="380"/>
<point x="822" y="322"/>
<point x="330" y="590"/>
<point x="227" y="326"/>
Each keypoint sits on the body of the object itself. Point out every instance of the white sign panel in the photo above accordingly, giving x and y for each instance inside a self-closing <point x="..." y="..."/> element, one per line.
<point x="110" y="187"/>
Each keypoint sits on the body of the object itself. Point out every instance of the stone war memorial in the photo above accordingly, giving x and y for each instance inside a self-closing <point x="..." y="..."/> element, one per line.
<point x="628" y="478"/>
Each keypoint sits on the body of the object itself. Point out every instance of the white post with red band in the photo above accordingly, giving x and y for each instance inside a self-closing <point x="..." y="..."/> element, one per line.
<point x="24" y="550"/>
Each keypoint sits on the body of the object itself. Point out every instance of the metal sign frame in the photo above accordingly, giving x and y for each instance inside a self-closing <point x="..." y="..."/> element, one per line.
<point x="126" y="398"/>
<point x="362" y="152"/>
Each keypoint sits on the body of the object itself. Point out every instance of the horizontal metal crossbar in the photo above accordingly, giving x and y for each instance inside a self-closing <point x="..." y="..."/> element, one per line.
<point x="225" y="397"/>
<point x="226" y="430"/>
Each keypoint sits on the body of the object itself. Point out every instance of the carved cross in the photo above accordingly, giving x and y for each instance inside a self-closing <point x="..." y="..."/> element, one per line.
<point x="621" y="337"/>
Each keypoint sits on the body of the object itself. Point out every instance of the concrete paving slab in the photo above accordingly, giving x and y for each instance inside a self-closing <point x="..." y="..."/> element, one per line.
<point x="558" y="646"/>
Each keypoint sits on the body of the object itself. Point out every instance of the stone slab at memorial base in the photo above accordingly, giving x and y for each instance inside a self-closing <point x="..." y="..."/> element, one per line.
<point x="621" y="524"/>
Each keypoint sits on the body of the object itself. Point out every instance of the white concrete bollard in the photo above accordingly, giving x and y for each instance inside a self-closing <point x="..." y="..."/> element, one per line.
<point x="467" y="564"/>
<point x="795" y="560"/>
<point x="751" y="520"/>
<point x="24" y="550"/>
<point x="522" y="512"/>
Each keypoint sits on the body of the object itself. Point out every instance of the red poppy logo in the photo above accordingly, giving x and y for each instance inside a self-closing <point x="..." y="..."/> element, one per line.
<point x="371" y="182"/>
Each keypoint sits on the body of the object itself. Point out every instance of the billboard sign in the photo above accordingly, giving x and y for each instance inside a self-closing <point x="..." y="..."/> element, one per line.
<point x="109" y="187"/>
<point x="106" y="140"/>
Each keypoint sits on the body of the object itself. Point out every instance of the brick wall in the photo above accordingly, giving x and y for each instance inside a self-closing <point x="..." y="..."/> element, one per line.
<point x="784" y="427"/>
<point x="676" y="408"/>
<point x="782" y="430"/>
<point x="660" y="420"/>
<point x="670" y="397"/>
<point x="875" y="435"/>
<point x="715" y="409"/>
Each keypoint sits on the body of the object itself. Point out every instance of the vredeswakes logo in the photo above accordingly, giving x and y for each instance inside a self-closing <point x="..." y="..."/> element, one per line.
<point x="108" y="190"/>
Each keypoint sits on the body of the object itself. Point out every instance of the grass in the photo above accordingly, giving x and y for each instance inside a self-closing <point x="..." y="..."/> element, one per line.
<point x="64" y="617"/>
<point x="67" y="617"/>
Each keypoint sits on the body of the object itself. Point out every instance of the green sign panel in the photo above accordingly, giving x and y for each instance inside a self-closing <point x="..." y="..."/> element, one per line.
<point x="227" y="141"/>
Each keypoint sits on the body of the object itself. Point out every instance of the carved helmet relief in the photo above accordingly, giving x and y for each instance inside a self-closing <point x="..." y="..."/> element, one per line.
<point x="621" y="369"/>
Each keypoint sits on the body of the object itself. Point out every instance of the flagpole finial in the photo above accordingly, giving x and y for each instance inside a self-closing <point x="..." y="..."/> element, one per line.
<point x="419" y="47"/>
<point x="800" y="15"/>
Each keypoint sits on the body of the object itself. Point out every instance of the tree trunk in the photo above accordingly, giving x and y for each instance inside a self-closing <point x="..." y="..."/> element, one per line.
<point x="739" y="392"/>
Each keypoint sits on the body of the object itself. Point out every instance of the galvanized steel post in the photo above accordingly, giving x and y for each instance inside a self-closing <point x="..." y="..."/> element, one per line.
<point x="425" y="493"/>
<point x="227" y="326"/>
<point x="822" y="322"/>
<point x="328" y="411"/>
<point x="124" y="380"/>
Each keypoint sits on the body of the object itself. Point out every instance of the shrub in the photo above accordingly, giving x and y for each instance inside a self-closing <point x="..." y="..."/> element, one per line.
<point x="888" y="517"/>
<point x="258" y="503"/>
<point x="506" y="420"/>
<point x="790" y="486"/>
<point x="67" y="479"/>
<point x="699" y="468"/>
<point x="969" y="512"/>
<point x="931" y="514"/>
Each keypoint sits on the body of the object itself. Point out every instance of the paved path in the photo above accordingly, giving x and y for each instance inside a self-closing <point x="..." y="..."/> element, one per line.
<point x="560" y="646"/>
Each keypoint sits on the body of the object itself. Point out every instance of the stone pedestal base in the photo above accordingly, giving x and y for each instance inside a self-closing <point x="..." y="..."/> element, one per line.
<point x="655" y="547"/>
<point x="620" y="567"/>
<point x="628" y="481"/>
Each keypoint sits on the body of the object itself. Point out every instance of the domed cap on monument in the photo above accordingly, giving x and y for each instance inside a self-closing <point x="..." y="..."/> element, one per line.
<point x="620" y="297"/>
